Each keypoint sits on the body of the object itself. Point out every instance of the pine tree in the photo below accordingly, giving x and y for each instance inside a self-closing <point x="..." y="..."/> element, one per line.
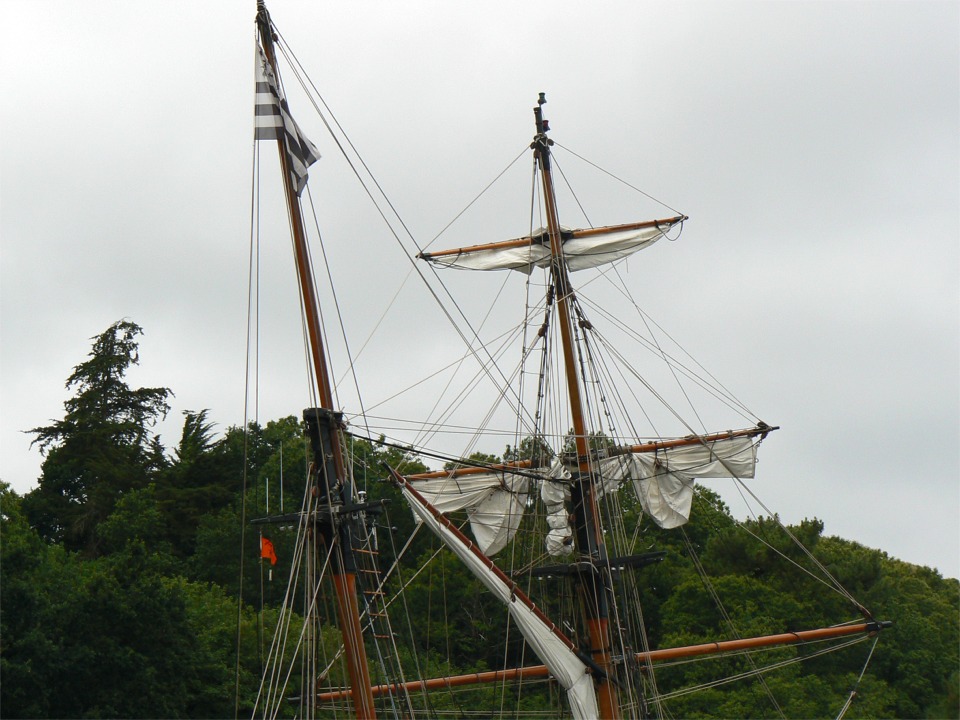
<point x="102" y="448"/>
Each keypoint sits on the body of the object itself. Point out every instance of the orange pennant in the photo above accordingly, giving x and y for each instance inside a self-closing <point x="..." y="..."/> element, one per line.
<point x="267" y="551"/>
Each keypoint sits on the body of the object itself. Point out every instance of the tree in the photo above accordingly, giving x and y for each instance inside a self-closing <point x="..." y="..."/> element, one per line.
<point x="26" y="650"/>
<point x="203" y="477"/>
<point x="120" y="635"/>
<point x="102" y="448"/>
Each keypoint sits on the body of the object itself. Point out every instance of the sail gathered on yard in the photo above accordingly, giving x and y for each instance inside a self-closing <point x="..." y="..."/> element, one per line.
<point x="582" y="249"/>
<point x="663" y="479"/>
<point x="494" y="502"/>
<point x="661" y="475"/>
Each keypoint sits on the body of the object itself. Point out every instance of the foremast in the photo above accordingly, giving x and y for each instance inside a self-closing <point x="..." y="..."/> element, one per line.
<point x="328" y="477"/>
<point x="594" y="588"/>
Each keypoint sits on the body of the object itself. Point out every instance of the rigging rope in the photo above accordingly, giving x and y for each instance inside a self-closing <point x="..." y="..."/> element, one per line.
<point x="834" y="583"/>
<point x="253" y="252"/>
<point x="759" y="671"/>
<point x="711" y="589"/>
<point x="853" y="690"/>
<point x="620" y="180"/>
<point x="315" y="96"/>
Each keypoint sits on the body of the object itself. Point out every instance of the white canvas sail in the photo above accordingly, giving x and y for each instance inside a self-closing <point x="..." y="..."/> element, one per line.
<point x="562" y="662"/>
<point x="555" y="494"/>
<point x="494" y="503"/>
<point x="581" y="248"/>
<point x="663" y="480"/>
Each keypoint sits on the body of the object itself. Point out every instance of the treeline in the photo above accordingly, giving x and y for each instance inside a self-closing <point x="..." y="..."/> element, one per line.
<point x="121" y="594"/>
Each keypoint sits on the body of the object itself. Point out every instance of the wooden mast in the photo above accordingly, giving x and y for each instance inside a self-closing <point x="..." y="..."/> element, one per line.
<point x="326" y="430"/>
<point x="592" y="587"/>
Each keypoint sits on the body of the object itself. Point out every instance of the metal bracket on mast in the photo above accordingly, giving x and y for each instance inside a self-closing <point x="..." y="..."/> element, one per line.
<point x="322" y="430"/>
<point x="543" y="126"/>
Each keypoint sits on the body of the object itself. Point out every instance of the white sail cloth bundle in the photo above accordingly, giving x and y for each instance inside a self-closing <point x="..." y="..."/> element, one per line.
<point x="663" y="481"/>
<point x="581" y="249"/>
<point x="562" y="662"/>
<point x="494" y="503"/>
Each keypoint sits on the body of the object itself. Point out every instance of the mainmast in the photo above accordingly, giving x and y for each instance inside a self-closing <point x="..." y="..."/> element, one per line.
<point x="593" y="587"/>
<point x="662" y="471"/>
<point x="330" y="481"/>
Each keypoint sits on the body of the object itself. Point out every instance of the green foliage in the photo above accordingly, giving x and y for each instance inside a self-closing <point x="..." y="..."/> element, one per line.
<point x="105" y="637"/>
<point x="924" y="659"/>
<point x="396" y="521"/>
<point x="535" y="449"/>
<point x="25" y="646"/>
<point x="759" y="577"/>
<point x="203" y="478"/>
<point x="102" y="447"/>
<point x="120" y="592"/>
<point x="477" y="459"/>
<point x="137" y="518"/>
<point x="457" y="621"/>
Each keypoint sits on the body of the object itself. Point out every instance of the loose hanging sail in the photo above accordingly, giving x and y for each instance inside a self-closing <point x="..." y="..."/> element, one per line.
<point x="494" y="502"/>
<point x="662" y="475"/>
<point x="663" y="479"/>
<point x="555" y="650"/>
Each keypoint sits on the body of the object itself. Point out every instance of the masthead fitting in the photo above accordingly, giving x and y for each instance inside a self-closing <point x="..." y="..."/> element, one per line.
<point x="543" y="126"/>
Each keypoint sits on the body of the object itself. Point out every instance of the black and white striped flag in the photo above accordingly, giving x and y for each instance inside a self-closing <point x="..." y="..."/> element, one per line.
<point x="273" y="121"/>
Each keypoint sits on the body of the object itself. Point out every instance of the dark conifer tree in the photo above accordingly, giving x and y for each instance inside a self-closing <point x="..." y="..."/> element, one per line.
<point x="101" y="448"/>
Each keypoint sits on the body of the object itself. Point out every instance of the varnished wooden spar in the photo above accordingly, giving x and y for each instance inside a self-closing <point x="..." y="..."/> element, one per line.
<point x="593" y="589"/>
<point x="515" y="590"/>
<point x="647" y="447"/>
<point x="343" y="575"/>
<point x="478" y="470"/>
<point x="653" y="446"/>
<point x="541" y="671"/>
<point x="666" y="223"/>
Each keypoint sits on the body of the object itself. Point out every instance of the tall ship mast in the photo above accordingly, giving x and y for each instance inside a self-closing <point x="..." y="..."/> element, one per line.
<point x="560" y="531"/>
<point x="329" y="516"/>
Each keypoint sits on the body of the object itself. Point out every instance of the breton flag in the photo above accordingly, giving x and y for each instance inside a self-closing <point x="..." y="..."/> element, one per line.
<point x="267" y="551"/>
<point x="273" y="122"/>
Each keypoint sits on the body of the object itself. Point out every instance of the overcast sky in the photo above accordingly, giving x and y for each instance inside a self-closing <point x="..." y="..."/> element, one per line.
<point x="813" y="145"/>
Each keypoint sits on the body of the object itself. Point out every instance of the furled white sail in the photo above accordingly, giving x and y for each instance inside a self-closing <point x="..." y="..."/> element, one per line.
<point x="581" y="248"/>
<point x="555" y="494"/>
<point x="663" y="481"/>
<point x="562" y="662"/>
<point x="494" y="503"/>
